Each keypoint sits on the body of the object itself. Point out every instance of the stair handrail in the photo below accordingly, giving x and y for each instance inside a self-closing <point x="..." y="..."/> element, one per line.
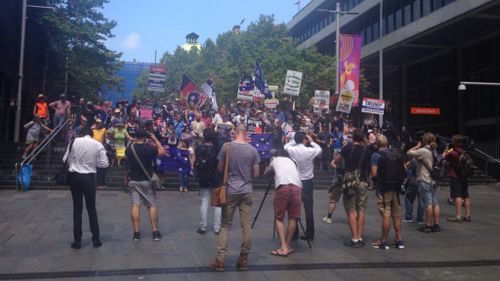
<point x="486" y="155"/>
<point x="43" y="144"/>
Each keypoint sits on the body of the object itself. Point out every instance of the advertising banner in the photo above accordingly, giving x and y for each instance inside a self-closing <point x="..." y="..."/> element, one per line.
<point x="345" y="101"/>
<point x="349" y="59"/>
<point x="373" y="106"/>
<point x="321" y="101"/>
<point x="292" y="83"/>
<point x="157" y="78"/>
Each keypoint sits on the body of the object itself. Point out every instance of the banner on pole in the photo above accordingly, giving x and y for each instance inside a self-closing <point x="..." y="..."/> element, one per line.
<point x="157" y="78"/>
<point x="321" y="101"/>
<point x="292" y="83"/>
<point x="345" y="101"/>
<point x="245" y="89"/>
<point x="349" y="59"/>
<point x="373" y="106"/>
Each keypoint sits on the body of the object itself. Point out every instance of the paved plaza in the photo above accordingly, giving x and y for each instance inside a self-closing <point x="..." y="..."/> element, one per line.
<point x="36" y="231"/>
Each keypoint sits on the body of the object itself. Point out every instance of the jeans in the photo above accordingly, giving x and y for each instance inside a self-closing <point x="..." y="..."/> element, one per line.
<point x="83" y="186"/>
<point x="410" y="196"/>
<point x="307" y="198"/>
<point x="205" y="203"/>
<point x="183" y="180"/>
<point x="244" y="204"/>
<point x="58" y="119"/>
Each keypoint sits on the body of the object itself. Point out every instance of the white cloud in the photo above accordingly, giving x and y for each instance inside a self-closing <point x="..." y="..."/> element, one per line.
<point x="131" y="41"/>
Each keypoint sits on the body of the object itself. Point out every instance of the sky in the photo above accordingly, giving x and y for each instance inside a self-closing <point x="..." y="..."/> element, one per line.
<point x="148" y="25"/>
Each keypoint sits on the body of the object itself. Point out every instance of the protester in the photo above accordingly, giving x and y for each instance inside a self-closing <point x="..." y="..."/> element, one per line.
<point x="357" y="165"/>
<point x="41" y="109"/>
<point x="84" y="155"/>
<point x="427" y="189"/>
<point x="119" y="137"/>
<point x="132" y="127"/>
<point x="140" y="156"/>
<point x="389" y="173"/>
<point x="197" y="127"/>
<point x="62" y="110"/>
<point x="34" y="128"/>
<point x="411" y="188"/>
<point x="458" y="181"/>
<point x="243" y="159"/>
<point x="324" y="140"/>
<point x="185" y="161"/>
<point x="287" y="199"/>
<point x="208" y="178"/>
<point x="304" y="151"/>
<point x="335" y="191"/>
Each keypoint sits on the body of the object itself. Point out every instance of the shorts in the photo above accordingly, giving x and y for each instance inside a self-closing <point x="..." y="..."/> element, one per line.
<point x="142" y="193"/>
<point x="459" y="188"/>
<point x="428" y="194"/>
<point x="287" y="198"/>
<point x="31" y="141"/>
<point x="325" y="153"/>
<point x="336" y="190"/>
<point x="355" y="198"/>
<point x="388" y="204"/>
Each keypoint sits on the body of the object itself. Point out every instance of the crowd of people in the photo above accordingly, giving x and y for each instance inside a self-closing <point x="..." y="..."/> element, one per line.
<point x="398" y="166"/>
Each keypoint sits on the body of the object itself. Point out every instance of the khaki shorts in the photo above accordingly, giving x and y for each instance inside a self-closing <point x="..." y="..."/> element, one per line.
<point x="355" y="198"/>
<point x="388" y="204"/>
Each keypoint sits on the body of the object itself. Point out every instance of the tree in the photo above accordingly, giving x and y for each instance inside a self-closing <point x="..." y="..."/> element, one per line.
<point x="76" y="32"/>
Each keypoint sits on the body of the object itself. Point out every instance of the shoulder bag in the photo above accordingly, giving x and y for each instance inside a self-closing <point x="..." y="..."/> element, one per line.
<point x="153" y="179"/>
<point x="218" y="195"/>
<point x="62" y="178"/>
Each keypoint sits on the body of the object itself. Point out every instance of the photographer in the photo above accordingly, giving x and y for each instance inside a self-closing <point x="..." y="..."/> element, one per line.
<point x="287" y="199"/>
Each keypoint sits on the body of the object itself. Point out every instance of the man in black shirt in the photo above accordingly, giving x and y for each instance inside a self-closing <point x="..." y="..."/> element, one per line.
<point x="141" y="190"/>
<point x="357" y="168"/>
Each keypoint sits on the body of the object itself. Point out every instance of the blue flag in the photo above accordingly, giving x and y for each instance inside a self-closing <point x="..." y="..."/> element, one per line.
<point x="260" y="82"/>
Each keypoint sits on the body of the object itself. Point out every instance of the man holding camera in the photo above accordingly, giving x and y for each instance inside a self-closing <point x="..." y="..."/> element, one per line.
<point x="304" y="151"/>
<point x="388" y="172"/>
<point x="287" y="198"/>
<point x="140" y="156"/>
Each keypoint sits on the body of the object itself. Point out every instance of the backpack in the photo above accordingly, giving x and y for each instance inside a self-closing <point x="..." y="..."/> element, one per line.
<point x="391" y="172"/>
<point x="465" y="165"/>
<point x="439" y="168"/>
<point x="206" y="162"/>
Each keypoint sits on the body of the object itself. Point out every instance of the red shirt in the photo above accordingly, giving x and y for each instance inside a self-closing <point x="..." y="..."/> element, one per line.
<point x="452" y="158"/>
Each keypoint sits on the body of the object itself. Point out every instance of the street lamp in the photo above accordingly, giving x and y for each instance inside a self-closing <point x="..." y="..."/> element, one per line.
<point x="463" y="84"/>
<point x="17" y="126"/>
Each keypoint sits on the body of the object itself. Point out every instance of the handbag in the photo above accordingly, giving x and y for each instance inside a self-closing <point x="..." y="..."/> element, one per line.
<point x="218" y="195"/>
<point x="154" y="180"/>
<point x="62" y="178"/>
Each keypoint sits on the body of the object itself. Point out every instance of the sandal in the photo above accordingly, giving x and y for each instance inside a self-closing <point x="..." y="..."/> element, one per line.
<point x="279" y="253"/>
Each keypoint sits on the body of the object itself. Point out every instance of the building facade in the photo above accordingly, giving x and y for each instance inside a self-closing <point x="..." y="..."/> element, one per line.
<point x="428" y="47"/>
<point x="130" y="71"/>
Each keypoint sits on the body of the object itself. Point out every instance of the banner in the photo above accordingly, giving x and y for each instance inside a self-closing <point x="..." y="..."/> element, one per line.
<point x="349" y="58"/>
<point x="345" y="101"/>
<point x="321" y="101"/>
<point x="245" y="89"/>
<point x="293" y="80"/>
<point x="373" y="106"/>
<point x="157" y="78"/>
<point x="271" y="103"/>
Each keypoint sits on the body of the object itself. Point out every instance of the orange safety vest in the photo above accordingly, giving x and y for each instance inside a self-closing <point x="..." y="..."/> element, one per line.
<point x="42" y="110"/>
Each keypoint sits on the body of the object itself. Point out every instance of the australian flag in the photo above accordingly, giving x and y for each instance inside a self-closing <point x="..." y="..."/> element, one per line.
<point x="260" y="82"/>
<point x="263" y="144"/>
<point x="246" y="84"/>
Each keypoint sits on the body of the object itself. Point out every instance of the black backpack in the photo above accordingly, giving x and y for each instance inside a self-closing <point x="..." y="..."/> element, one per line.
<point x="439" y="168"/>
<point x="206" y="162"/>
<point x="391" y="171"/>
<point x="465" y="165"/>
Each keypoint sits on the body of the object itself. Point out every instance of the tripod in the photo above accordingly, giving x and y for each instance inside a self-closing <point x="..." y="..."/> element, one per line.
<point x="299" y="221"/>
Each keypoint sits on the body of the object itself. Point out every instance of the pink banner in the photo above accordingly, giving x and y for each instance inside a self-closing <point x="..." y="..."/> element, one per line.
<point x="350" y="55"/>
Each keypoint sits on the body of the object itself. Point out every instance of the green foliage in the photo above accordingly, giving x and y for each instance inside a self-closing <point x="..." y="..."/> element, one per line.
<point x="76" y="32"/>
<point x="234" y="54"/>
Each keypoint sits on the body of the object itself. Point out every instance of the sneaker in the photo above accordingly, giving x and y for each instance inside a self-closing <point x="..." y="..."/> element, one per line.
<point x="217" y="265"/>
<point x="425" y="228"/>
<point x="350" y="243"/>
<point x="327" y="220"/>
<point x="181" y="189"/>
<point x="156" y="236"/>
<point x="420" y="222"/>
<point x="242" y="263"/>
<point x="201" y="231"/>
<point x="399" y="244"/>
<point x="436" y="228"/>
<point x="454" y="219"/>
<point x="359" y="244"/>
<point x="467" y="219"/>
<point x="380" y="245"/>
<point x="136" y="237"/>
<point x="217" y="232"/>
<point x="408" y="221"/>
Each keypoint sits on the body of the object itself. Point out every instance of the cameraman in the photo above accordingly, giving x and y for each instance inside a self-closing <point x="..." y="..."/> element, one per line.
<point x="287" y="198"/>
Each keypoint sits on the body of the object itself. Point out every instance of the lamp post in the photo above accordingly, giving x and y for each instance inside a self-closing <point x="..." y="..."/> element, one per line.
<point x="17" y="126"/>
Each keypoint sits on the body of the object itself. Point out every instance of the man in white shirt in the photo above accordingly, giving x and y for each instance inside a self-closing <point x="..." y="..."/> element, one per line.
<point x="287" y="199"/>
<point x="304" y="151"/>
<point x="84" y="156"/>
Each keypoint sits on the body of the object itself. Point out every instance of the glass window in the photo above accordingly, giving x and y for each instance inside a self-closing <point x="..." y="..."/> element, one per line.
<point x="436" y="4"/>
<point x="390" y="23"/>
<point x="369" y="34"/>
<point x="416" y="10"/>
<point x="407" y="14"/>
<point x="376" y="30"/>
<point x="399" y="19"/>
<point x="426" y="7"/>
<point x="446" y="2"/>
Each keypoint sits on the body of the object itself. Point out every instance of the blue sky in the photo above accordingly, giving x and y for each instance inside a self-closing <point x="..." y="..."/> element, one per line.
<point x="148" y="25"/>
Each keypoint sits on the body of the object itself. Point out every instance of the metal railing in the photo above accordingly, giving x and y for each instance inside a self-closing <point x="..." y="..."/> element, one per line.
<point x="492" y="149"/>
<point x="487" y="158"/>
<point x="34" y="153"/>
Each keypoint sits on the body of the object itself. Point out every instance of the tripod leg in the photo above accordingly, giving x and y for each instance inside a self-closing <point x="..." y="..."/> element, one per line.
<point x="262" y="203"/>
<point x="303" y="230"/>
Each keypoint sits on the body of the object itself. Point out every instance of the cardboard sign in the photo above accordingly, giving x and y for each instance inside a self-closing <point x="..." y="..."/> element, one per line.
<point x="425" y="110"/>
<point x="321" y="101"/>
<point x="157" y="78"/>
<point x="292" y="83"/>
<point x="271" y="103"/>
<point x="373" y="106"/>
<point x="345" y="101"/>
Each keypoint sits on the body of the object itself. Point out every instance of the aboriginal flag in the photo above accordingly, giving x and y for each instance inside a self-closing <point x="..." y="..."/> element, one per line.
<point x="187" y="86"/>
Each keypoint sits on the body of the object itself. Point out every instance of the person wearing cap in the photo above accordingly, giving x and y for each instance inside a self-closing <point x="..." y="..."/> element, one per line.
<point x="61" y="110"/>
<point x="117" y="117"/>
<point x="41" y="108"/>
